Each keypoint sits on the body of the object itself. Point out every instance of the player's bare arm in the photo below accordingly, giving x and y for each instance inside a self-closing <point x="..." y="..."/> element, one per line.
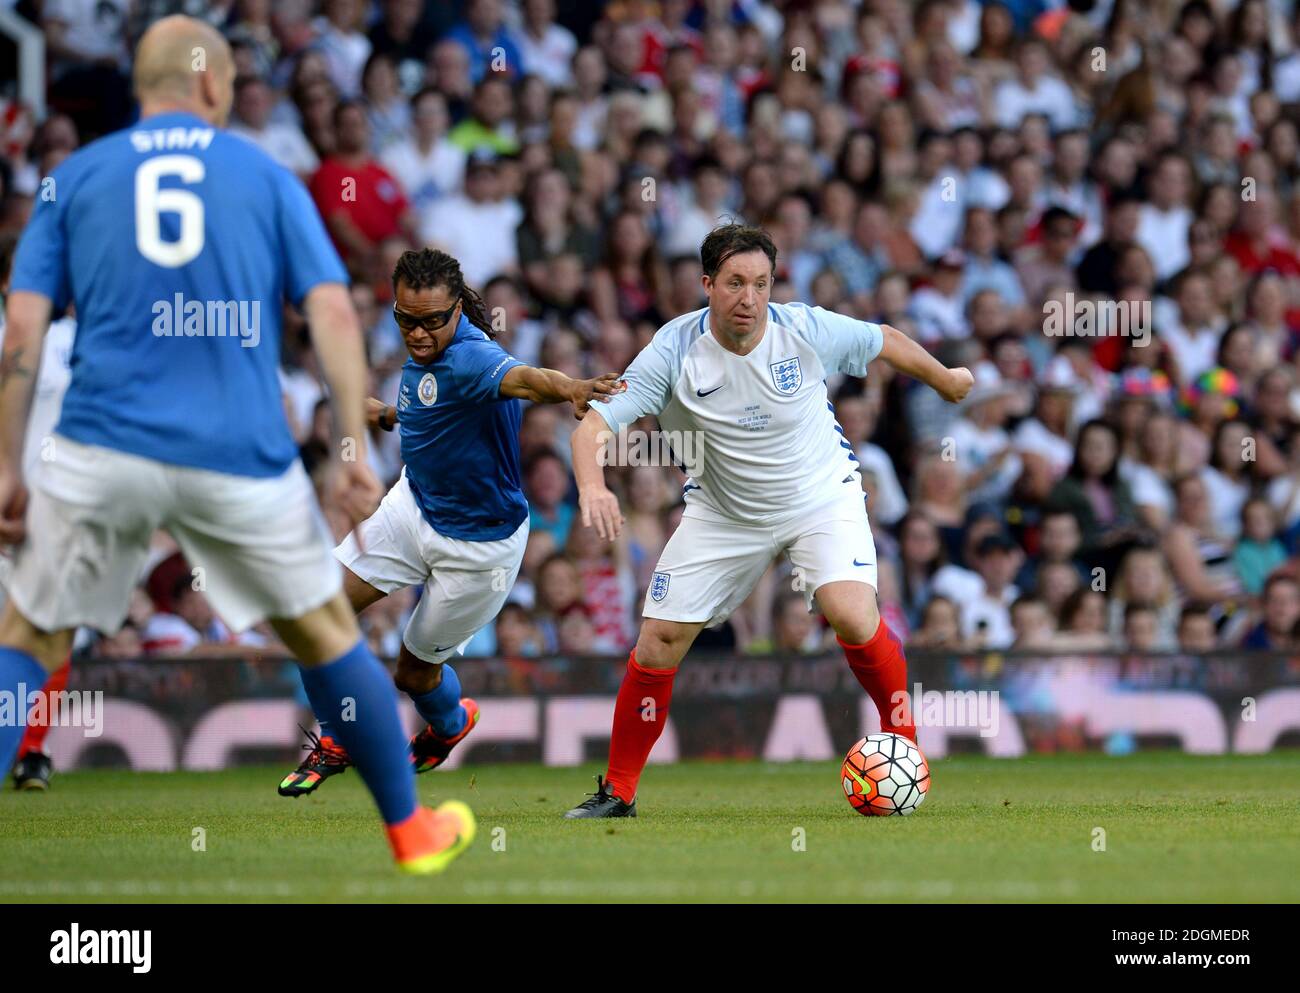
<point x="549" y="386"/>
<point x="912" y="359"/>
<point x="598" y="506"/>
<point x="26" y="320"/>
<point x="336" y="336"/>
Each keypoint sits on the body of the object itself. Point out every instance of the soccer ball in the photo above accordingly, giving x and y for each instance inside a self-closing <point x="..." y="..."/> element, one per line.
<point x="885" y="774"/>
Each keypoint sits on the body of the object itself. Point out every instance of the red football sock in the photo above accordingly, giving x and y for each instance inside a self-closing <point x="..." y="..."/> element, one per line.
<point x="881" y="668"/>
<point x="636" y="726"/>
<point x="34" y="736"/>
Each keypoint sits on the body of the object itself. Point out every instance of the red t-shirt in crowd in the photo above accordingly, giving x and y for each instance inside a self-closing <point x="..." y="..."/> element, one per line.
<point x="605" y="595"/>
<point x="374" y="202"/>
<point x="1278" y="257"/>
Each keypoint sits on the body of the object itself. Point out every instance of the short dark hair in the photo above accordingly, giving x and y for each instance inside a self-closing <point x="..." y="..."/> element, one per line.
<point x="1025" y="600"/>
<point x="1056" y="511"/>
<point x="513" y="608"/>
<point x="544" y="455"/>
<point x="491" y="79"/>
<point x="1133" y="608"/>
<point x="1073" y="604"/>
<point x="706" y="163"/>
<point x="929" y="136"/>
<point x="182" y="587"/>
<point x="1058" y="213"/>
<point x="501" y="279"/>
<point x="1277" y="578"/>
<point x="783" y="600"/>
<point x="649" y="136"/>
<point x="252" y="79"/>
<point x="427" y="91"/>
<point x="347" y="104"/>
<point x="734" y="239"/>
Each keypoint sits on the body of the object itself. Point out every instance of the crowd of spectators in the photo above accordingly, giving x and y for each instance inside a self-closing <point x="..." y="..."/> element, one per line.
<point x="1124" y="477"/>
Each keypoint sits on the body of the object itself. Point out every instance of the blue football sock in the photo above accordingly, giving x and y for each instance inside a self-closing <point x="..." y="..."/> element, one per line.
<point x="441" y="705"/>
<point x="355" y="695"/>
<point x="20" y="676"/>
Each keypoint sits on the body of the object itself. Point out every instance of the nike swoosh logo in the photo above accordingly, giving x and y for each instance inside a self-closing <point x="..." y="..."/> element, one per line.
<point x="448" y="648"/>
<point x="702" y="393"/>
<point x="867" y="787"/>
<point x="856" y="562"/>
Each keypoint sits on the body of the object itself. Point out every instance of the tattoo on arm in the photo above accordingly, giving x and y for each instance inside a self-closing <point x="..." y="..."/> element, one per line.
<point x="11" y="364"/>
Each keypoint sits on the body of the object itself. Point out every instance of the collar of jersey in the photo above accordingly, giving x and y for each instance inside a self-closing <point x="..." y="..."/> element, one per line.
<point x="170" y="119"/>
<point x="704" y="325"/>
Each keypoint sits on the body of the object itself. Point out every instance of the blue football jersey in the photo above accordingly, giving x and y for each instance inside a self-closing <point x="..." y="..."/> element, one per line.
<point x="460" y="439"/>
<point x="178" y="244"/>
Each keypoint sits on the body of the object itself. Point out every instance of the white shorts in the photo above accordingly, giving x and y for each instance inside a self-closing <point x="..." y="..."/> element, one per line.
<point x="262" y="543"/>
<point x="711" y="563"/>
<point x="465" y="582"/>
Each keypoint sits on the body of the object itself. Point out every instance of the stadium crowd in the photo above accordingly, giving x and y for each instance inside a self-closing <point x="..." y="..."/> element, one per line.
<point x="1094" y="205"/>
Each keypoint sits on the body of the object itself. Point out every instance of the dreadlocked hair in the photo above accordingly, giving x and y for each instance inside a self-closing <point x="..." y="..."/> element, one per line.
<point x="428" y="268"/>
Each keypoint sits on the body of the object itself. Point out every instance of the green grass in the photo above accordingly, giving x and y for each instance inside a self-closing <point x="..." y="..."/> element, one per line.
<point x="1178" y="828"/>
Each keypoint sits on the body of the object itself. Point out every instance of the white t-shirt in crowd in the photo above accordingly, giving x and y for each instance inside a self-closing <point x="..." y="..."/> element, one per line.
<point x="938" y="316"/>
<point x="284" y="143"/>
<point x="480" y="235"/>
<point x="95" y="28"/>
<point x="1226" y="498"/>
<point x="1048" y="95"/>
<point x="1148" y="487"/>
<point x="1033" y="437"/>
<point x="975" y="447"/>
<point x="1194" y="353"/>
<point x="994" y="614"/>
<point x="1163" y="233"/>
<point x="345" y="55"/>
<point x="891" y="502"/>
<point x="425" y="178"/>
<point x="550" y="56"/>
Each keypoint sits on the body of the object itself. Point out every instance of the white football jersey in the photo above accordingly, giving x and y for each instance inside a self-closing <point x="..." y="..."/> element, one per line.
<point x="756" y="433"/>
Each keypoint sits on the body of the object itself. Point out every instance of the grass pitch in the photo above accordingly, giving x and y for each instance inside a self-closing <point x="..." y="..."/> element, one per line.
<point x="1176" y="828"/>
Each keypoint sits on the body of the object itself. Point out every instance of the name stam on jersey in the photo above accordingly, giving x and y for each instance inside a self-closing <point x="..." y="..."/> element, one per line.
<point x="167" y="139"/>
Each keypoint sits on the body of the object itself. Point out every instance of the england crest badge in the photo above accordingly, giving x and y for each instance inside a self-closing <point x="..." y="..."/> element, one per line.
<point x="659" y="586"/>
<point x="787" y="375"/>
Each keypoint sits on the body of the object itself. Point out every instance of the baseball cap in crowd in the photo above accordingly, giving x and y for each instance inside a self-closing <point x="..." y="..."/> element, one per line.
<point x="989" y="385"/>
<point x="1060" y="377"/>
<point x="998" y="541"/>
<point x="982" y="510"/>
<point x="481" y="158"/>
